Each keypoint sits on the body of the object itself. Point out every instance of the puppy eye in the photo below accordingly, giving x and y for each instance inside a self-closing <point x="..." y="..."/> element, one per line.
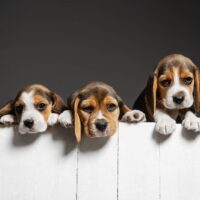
<point x="88" y="109"/>
<point x="19" y="109"/>
<point x="166" y="82"/>
<point x="41" y="106"/>
<point x="111" y="107"/>
<point x="187" y="80"/>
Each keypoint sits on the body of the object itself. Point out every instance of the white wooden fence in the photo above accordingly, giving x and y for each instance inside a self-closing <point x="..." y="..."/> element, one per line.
<point x="135" y="164"/>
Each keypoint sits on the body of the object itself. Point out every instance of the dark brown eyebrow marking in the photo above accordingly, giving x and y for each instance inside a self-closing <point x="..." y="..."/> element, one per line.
<point x="84" y="96"/>
<point x="98" y="92"/>
<point x="44" y="95"/>
<point x="162" y="69"/>
<point x="191" y="68"/>
<point x="175" y="63"/>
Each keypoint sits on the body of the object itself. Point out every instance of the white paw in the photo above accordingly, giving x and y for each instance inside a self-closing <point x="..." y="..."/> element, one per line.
<point x="53" y="119"/>
<point x="192" y="123"/>
<point x="133" y="116"/>
<point x="165" y="126"/>
<point x="65" y="119"/>
<point x="7" y="120"/>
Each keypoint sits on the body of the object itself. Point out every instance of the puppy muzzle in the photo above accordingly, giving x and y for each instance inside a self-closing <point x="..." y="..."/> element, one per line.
<point x="28" y="123"/>
<point x="178" y="98"/>
<point x="101" y="124"/>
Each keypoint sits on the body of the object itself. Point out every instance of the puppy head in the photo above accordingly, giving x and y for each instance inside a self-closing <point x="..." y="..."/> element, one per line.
<point x="32" y="108"/>
<point x="174" y="84"/>
<point x="96" y="110"/>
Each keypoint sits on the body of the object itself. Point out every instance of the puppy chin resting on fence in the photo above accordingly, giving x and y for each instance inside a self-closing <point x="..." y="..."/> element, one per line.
<point x="96" y="110"/>
<point x="34" y="108"/>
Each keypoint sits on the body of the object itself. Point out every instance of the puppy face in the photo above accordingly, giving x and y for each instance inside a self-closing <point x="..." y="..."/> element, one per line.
<point x="32" y="108"/>
<point x="32" y="111"/>
<point x="174" y="84"/>
<point x="99" y="116"/>
<point x="97" y="109"/>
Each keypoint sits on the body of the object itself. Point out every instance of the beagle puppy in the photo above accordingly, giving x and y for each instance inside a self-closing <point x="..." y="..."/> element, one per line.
<point x="96" y="109"/>
<point x="34" y="108"/>
<point x="172" y="95"/>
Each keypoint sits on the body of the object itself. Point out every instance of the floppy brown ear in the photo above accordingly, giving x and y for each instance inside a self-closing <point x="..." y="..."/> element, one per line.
<point x="73" y="103"/>
<point x="77" y="121"/>
<point x="122" y="107"/>
<point x="196" y="91"/>
<point x="58" y="103"/>
<point x="7" y="109"/>
<point x="151" y="94"/>
<point x="71" y="99"/>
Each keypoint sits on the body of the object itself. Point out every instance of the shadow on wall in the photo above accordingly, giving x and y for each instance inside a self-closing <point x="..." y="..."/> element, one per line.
<point x="159" y="138"/>
<point x="23" y="140"/>
<point x="58" y="134"/>
<point x="188" y="135"/>
<point x="93" y="144"/>
<point x="66" y="136"/>
<point x="67" y="139"/>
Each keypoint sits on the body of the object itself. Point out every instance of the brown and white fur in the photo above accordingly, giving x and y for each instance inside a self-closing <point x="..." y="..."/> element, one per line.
<point x="96" y="109"/>
<point x="172" y="95"/>
<point x="34" y="108"/>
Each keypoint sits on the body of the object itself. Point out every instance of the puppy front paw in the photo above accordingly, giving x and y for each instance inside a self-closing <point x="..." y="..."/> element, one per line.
<point x="192" y="123"/>
<point x="165" y="126"/>
<point x="65" y="119"/>
<point x="53" y="119"/>
<point x="8" y="120"/>
<point x="134" y="116"/>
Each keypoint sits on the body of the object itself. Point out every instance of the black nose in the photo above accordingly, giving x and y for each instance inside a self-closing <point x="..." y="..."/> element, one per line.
<point x="178" y="99"/>
<point x="101" y="124"/>
<point x="28" y="123"/>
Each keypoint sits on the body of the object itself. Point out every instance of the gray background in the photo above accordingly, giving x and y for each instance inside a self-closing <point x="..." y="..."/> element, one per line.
<point x="66" y="44"/>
